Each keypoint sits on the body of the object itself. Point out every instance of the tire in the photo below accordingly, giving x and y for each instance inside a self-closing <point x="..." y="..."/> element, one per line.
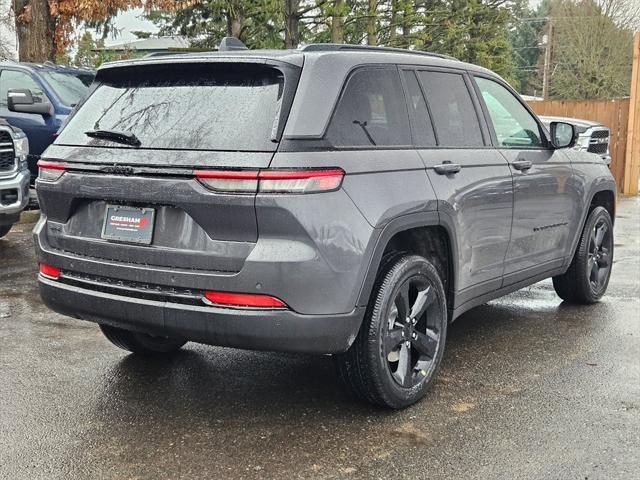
<point x="586" y="280"/>
<point x="4" y="229"/>
<point x="392" y="362"/>
<point x="141" y="343"/>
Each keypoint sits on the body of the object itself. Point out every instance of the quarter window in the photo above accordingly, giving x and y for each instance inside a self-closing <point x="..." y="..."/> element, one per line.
<point x="371" y="111"/>
<point x="452" y="110"/>
<point x="421" y="126"/>
<point x="515" y="127"/>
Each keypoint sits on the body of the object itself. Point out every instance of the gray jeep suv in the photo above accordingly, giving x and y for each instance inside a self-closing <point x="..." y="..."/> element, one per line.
<point x="334" y="199"/>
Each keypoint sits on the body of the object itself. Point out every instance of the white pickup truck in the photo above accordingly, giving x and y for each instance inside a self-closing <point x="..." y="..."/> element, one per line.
<point x="592" y="136"/>
<point x="14" y="175"/>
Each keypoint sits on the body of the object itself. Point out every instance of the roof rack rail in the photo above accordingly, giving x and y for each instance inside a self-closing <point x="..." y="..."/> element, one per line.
<point x="333" y="47"/>
<point x="164" y="54"/>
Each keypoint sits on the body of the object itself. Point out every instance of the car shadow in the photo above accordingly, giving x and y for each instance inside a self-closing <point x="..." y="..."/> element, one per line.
<point x="227" y="381"/>
<point x="254" y="407"/>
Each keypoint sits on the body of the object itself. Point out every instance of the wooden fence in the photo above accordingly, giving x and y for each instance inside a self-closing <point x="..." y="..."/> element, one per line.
<point x="612" y="113"/>
<point x="632" y="164"/>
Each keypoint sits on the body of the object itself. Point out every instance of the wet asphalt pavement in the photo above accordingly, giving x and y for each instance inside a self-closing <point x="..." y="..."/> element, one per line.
<point x="530" y="388"/>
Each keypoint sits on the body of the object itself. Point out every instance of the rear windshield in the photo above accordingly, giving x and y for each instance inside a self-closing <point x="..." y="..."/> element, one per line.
<point x="202" y="107"/>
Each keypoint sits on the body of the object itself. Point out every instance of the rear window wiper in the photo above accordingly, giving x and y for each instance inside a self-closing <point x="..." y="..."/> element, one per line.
<point x="363" y="126"/>
<point x="127" y="138"/>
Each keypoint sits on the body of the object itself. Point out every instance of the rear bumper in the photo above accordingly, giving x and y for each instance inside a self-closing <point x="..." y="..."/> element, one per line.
<point x="276" y="330"/>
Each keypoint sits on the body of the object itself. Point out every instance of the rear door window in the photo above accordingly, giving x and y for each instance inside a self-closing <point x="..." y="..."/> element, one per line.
<point x="454" y="115"/>
<point x="371" y="111"/>
<point x="204" y="107"/>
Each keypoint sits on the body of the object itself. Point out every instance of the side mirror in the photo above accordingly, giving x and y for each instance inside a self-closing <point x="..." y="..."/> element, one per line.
<point x="21" y="100"/>
<point x="563" y="135"/>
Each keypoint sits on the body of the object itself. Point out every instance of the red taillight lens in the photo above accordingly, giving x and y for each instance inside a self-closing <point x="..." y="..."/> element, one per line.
<point x="238" y="181"/>
<point x="271" y="181"/>
<point x="300" y="181"/>
<point x="49" y="271"/>
<point x="50" y="171"/>
<point x="244" y="300"/>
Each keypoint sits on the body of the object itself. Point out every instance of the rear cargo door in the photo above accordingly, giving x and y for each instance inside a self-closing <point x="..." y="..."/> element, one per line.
<point x="130" y="153"/>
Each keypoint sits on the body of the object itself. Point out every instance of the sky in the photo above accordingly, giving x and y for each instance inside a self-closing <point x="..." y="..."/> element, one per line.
<point x="127" y="22"/>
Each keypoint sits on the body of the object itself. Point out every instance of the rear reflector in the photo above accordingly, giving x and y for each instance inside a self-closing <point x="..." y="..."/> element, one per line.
<point x="50" y="171"/>
<point x="271" y="181"/>
<point x="49" y="271"/>
<point x="243" y="300"/>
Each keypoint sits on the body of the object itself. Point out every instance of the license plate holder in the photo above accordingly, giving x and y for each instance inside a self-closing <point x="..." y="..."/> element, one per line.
<point x="128" y="224"/>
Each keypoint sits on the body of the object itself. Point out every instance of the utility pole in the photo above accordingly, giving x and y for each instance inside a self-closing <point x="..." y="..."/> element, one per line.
<point x="546" y="74"/>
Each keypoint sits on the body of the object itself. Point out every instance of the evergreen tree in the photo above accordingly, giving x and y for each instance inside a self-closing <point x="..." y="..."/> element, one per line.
<point x="525" y="34"/>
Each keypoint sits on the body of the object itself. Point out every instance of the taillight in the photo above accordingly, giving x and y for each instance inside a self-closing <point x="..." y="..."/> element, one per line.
<point x="49" y="271"/>
<point x="300" y="181"/>
<point x="243" y="300"/>
<point x="271" y="181"/>
<point x="239" y="181"/>
<point x="49" y="171"/>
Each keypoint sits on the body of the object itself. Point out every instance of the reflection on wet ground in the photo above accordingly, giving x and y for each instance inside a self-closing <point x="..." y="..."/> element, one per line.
<point x="530" y="388"/>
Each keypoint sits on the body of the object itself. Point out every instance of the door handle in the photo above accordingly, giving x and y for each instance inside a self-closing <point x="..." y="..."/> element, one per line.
<point x="447" y="168"/>
<point x="522" y="165"/>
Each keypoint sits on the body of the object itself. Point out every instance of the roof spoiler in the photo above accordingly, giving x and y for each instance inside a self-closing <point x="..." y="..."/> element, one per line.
<point x="228" y="44"/>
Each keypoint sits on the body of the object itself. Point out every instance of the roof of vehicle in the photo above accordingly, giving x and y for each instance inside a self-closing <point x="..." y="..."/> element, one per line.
<point x="354" y="54"/>
<point x="47" y="66"/>
<point x="547" y="119"/>
<point x="326" y="67"/>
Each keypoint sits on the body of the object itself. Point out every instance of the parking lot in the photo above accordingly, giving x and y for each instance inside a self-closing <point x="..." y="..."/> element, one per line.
<point x="530" y="388"/>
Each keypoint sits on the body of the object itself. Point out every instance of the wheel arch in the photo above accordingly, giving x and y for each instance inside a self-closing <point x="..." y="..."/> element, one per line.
<point x="602" y="194"/>
<point x="606" y="199"/>
<point x="422" y="233"/>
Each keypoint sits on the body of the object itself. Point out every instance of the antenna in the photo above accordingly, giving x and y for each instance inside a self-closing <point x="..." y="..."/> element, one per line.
<point x="229" y="44"/>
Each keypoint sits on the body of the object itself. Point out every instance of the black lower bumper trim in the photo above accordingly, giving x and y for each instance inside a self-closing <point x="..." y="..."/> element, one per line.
<point x="275" y="330"/>
<point x="9" y="218"/>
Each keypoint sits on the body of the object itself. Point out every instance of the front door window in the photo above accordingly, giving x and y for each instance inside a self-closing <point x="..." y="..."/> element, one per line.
<point x="515" y="127"/>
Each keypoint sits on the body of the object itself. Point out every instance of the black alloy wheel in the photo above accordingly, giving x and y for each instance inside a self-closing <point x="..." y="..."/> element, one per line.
<point x="599" y="257"/>
<point x="587" y="277"/>
<point x="412" y="338"/>
<point x="401" y="340"/>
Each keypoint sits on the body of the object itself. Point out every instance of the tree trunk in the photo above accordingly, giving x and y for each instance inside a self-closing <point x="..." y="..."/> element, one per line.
<point x="291" y="23"/>
<point x="406" y="24"/>
<point x="393" y="24"/>
<point x="337" y="22"/>
<point x="236" y="20"/>
<point x="35" y="29"/>
<point x="372" y="23"/>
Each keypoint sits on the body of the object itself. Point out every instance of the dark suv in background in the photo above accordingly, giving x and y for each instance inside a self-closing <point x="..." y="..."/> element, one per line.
<point x="334" y="199"/>
<point x="37" y="98"/>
